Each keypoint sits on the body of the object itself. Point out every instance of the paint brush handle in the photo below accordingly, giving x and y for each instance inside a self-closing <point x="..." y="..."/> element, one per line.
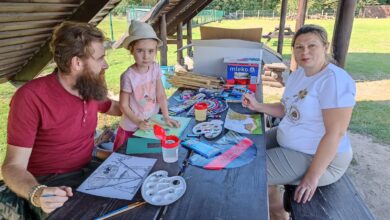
<point x="120" y="210"/>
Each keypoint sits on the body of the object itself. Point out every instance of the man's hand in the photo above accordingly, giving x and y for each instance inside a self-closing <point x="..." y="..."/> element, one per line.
<point x="52" y="198"/>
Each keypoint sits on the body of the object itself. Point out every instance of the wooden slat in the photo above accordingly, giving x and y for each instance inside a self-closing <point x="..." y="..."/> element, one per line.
<point x="35" y="7"/>
<point x="15" y="59"/>
<point x="28" y="24"/>
<point x="27" y="32"/>
<point x="17" y="17"/>
<point x="19" y="47"/>
<point x="84" y="13"/>
<point x="20" y="40"/>
<point x="8" y="72"/>
<point x="18" y="53"/>
<point x="12" y="65"/>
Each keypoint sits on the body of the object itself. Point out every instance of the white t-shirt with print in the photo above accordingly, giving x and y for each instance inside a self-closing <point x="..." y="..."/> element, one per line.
<point x="302" y="127"/>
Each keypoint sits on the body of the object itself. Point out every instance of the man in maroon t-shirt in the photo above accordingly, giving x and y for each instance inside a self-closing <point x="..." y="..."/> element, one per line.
<point x="52" y="121"/>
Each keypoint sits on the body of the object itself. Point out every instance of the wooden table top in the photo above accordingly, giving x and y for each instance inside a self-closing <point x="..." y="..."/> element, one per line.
<point x="239" y="193"/>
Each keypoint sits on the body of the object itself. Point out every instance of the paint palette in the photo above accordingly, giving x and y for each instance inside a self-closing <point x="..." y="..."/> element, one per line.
<point x="159" y="189"/>
<point x="209" y="129"/>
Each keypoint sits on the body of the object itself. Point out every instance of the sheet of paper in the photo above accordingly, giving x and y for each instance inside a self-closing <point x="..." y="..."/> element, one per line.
<point x="243" y="123"/>
<point x="137" y="145"/>
<point x="119" y="176"/>
<point x="158" y="119"/>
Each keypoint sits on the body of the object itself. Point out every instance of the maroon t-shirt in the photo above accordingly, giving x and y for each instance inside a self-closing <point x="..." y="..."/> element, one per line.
<point x="58" y="126"/>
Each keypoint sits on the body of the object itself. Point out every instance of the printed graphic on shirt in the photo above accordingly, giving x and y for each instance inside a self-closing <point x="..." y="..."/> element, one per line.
<point x="292" y="104"/>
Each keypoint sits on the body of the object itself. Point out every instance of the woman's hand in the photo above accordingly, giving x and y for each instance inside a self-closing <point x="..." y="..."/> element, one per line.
<point x="171" y="122"/>
<point x="144" y="125"/>
<point x="306" y="189"/>
<point x="249" y="101"/>
<point x="54" y="197"/>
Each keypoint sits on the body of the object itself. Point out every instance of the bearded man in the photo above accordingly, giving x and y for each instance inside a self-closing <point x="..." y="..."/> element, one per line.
<point x="51" y="125"/>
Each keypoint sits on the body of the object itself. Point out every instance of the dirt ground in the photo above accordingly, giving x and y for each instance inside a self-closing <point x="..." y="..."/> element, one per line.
<point x="370" y="169"/>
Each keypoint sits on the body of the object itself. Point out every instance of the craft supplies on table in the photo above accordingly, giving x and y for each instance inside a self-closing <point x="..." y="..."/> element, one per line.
<point x="210" y="129"/>
<point x="243" y="123"/>
<point x="159" y="189"/>
<point x="169" y="144"/>
<point x="215" y="106"/>
<point x="120" y="210"/>
<point x="201" y="111"/>
<point x="186" y="104"/>
<point x="236" y="151"/>
<point x="119" y="176"/>
<point x="201" y="148"/>
<point x="194" y="81"/>
<point x="159" y="119"/>
<point x="136" y="145"/>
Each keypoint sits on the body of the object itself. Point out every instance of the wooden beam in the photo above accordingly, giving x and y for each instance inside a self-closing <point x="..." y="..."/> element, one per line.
<point x="164" y="47"/>
<point x="179" y="9"/>
<point x="14" y="59"/>
<point x="282" y="23"/>
<point x="180" y="59"/>
<point x="189" y="38"/>
<point x="84" y="13"/>
<point x="185" y="17"/>
<point x="342" y="30"/>
<point x="302" y="6"/>
<point x="171" y="41"/>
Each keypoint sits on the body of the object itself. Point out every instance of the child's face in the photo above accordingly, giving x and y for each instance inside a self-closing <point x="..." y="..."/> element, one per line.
<point x="144" y="51"/>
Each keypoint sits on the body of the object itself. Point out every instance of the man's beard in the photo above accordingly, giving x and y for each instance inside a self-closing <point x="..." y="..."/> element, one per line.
<point x="91" y="86"/>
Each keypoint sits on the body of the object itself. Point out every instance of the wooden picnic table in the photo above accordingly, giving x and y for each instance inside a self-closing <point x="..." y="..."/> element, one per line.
<point x="239" y="193"/>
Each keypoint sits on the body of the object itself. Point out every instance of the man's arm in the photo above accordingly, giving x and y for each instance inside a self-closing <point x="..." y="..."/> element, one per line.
<point x="114" y="109"/>
<point x="20" y="181"/>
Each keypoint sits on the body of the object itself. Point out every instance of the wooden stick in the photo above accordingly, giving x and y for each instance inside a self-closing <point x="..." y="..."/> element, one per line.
<point x="120" y="210"/>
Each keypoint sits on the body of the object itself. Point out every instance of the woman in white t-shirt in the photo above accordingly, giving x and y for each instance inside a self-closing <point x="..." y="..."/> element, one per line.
<point x="310" y="147"/>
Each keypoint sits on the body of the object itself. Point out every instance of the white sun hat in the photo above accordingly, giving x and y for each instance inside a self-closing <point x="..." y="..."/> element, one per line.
<point x="140" y="30"/>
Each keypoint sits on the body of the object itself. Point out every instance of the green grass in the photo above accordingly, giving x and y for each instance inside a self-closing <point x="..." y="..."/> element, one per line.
<point x="368" y="59"/>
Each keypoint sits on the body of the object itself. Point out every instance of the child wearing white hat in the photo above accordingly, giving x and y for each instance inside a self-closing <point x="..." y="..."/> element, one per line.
<point x="142" y="92"/>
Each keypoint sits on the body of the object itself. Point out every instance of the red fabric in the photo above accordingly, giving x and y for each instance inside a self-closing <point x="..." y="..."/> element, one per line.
<point x="58" y="126"/>
<point x="121" y="137"/>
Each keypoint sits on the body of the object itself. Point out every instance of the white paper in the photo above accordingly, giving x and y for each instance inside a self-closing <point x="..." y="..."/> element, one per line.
<point x="119" y="176"/>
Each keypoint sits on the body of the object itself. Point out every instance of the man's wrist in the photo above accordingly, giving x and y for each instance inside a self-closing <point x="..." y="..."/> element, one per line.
<point x="35" y="194"/>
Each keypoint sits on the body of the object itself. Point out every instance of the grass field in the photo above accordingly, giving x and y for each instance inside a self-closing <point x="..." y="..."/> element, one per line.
<point x="368" y="59"/>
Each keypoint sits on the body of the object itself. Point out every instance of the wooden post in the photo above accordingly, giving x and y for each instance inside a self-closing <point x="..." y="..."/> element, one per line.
<point x="179" y="44"/>
<point x="281" y="26"/>
<point x="164" y="48"/>
<point x="189" y="37"/>
<point x="342" y="30"/>
<point x="302" y="6"/>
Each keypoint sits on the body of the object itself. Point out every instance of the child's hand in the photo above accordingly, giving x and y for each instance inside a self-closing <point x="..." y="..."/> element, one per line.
<point x="144" y="125"/>
<point x="171" y="122"/>
<point x="249" y="101"/>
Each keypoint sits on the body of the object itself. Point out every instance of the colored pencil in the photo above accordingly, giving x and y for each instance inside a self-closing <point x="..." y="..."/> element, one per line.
<point x="120" y="210"/>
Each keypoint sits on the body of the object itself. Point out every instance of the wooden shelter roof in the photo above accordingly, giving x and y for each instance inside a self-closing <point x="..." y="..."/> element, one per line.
<point x="176" y="11"/>
<point x="26" y="27"/>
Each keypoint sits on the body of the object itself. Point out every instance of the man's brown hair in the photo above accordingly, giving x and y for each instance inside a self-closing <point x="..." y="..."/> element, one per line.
<point x="73" y="39"/>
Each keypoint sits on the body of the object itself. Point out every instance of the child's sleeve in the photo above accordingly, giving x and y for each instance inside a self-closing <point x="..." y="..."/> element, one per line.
<point x="126" y="83"/>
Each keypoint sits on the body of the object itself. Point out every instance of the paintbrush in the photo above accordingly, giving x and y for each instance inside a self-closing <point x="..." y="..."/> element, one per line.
<point x="120" y="210"/>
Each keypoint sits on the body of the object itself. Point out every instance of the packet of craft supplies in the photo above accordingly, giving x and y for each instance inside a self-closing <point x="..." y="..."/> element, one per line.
<point x="201" y="148"/>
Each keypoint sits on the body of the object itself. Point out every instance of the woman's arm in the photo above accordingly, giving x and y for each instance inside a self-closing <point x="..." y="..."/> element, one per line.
<point x="336" y="122"/>
<point x="274" y="109"/>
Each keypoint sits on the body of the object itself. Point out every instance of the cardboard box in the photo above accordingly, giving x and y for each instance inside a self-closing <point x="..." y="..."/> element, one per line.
<point x="214" y="33"/>
<point x="209" y="56"/>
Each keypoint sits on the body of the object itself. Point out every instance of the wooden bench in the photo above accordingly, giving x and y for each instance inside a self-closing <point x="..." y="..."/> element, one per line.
<point x="337" y="201"/>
